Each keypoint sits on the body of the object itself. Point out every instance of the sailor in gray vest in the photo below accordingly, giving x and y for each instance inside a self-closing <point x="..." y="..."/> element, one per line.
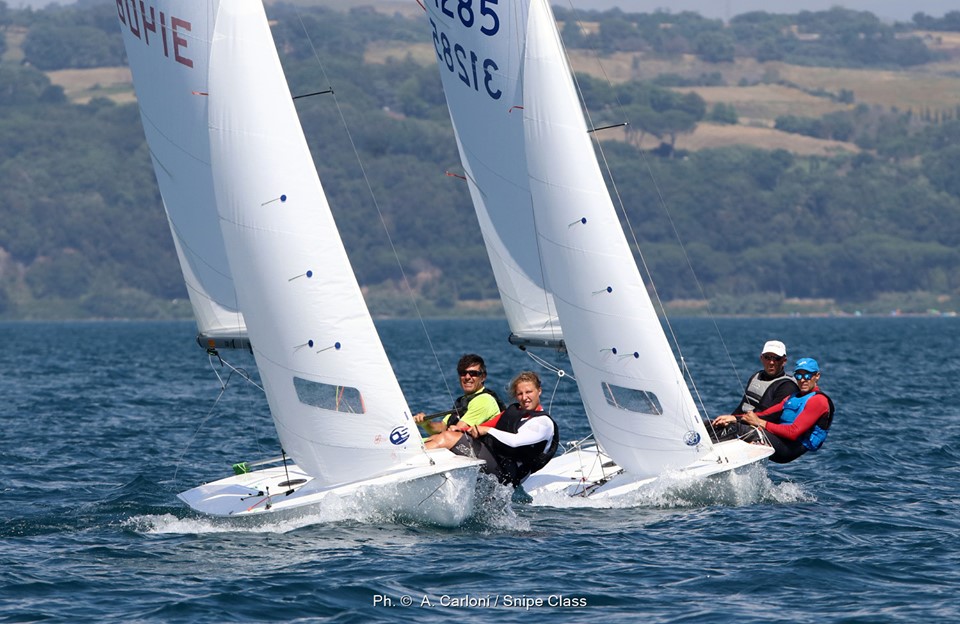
<point x="765" y="388"/>
<point x="769" y="386"/>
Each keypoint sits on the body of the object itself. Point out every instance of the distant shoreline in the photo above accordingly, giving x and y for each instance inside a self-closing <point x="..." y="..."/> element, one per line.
<point x="806" y="316"/>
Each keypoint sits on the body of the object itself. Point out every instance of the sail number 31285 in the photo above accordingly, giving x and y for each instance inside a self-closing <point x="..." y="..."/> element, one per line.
<point x="465" y="64"/>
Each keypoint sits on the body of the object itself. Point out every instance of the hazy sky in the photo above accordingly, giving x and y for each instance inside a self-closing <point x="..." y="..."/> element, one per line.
<point x="890" y="10"/>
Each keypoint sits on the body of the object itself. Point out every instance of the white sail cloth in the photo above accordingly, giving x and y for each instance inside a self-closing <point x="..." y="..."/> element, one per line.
<point x="239" y="183"/>
<point x="533" y="143"/>
<point x="168" y="57"/>
<point x="488" y="124"/>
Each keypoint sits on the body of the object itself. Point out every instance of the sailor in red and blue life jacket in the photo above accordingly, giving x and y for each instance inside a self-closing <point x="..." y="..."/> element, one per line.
<point x="797" y="424"/>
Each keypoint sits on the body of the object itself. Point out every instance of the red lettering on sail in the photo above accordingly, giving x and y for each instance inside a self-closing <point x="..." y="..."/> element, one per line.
<point x="175" y="25"/>
<point x="163" y="29"/>
<point x="141" y="23"/>
<point x="148" y="24"/>
<point x="133" y="20"/>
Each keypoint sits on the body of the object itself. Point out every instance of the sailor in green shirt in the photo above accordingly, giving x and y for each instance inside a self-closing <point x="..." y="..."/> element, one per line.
<point x="478" y="403"/>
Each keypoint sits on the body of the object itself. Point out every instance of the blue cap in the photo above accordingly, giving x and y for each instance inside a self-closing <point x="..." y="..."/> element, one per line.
<point x="807" y="364"/>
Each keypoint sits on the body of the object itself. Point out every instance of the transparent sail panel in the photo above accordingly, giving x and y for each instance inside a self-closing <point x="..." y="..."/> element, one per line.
<point x="329" y="397"/>
<point x="632" y="400"/>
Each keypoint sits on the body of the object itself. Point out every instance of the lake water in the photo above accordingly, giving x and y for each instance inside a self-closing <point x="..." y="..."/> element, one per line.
<point x="106" y="422"/>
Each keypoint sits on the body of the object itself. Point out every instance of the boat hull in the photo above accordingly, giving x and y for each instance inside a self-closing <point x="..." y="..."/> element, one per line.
<point x="438" y="488"/>
<point x="587" y="472"/>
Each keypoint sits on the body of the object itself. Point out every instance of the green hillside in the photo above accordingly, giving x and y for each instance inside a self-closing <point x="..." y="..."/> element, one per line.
<point x="846" y="201"/>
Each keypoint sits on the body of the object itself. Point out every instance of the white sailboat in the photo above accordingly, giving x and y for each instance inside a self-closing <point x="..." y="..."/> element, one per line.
<point x="266" y="270"/>
<point x="560" y="256"/>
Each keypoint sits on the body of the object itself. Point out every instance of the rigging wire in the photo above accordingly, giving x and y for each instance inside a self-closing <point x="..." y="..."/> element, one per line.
<point x="560" y="373"/>
<point x="233" y="369"/>
<point x="223" y="389"/>
<point x="376" y="203"/>
<point x="224" y="383"/>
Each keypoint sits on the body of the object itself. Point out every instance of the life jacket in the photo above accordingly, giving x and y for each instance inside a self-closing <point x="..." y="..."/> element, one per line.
<point x="517" y="463"/>
<point x="813" y="439"/>
<point x="461" y="404"/>
<point x="759" y="389"/>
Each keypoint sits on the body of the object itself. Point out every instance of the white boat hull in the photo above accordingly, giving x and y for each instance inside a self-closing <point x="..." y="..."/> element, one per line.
<point x="588" y="472"/>
<point x="436" y="488"/>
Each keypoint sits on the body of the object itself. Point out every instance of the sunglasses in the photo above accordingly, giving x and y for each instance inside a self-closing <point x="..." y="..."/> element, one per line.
<point x="471" y="373"/>
<point x="804" y="376"/>
<point x="771" y="358"/>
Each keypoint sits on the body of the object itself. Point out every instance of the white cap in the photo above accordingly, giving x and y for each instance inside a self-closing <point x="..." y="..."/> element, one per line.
<point x="775" y="347"/>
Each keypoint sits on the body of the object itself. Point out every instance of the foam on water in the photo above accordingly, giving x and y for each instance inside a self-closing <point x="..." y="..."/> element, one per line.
<point x="747" y="486"/>
<point x="494" y="508"/>
<point x="266" y="523"/>
<point x="493" y="512"/>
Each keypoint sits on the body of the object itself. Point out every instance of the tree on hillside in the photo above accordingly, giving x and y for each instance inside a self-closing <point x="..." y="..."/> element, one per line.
<point x="24" y="86"/>
<point x="714" y="47"/>
<point x="760" y="25"/>
<point x="769" y="49"/>
<point x="647" y="108"/>
<point x="940" y="168"/>
<point x="618" y="34"/>
<point x="723" y="114"/>
<point x="74" y="37"/>
<point x="572" y="34"/>
<point x="949" y="22"/>
<point x="52" y="46"/>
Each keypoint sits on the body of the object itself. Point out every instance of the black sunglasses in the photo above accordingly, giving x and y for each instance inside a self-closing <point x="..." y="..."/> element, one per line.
<point x="471" y="373"/>
<point x="804" y="376"/>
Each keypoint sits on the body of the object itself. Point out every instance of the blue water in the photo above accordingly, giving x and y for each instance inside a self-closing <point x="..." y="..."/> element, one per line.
<point x="105" y="422"/>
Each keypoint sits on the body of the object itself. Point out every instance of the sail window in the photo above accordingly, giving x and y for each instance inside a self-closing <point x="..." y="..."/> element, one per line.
<point x="329" y="397"/>
<point x="632" y="400"/>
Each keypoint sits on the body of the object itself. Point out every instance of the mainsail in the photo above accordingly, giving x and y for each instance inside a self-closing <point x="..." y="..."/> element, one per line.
<point x="526" y="147"/>
<point x="245" y="202"/>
